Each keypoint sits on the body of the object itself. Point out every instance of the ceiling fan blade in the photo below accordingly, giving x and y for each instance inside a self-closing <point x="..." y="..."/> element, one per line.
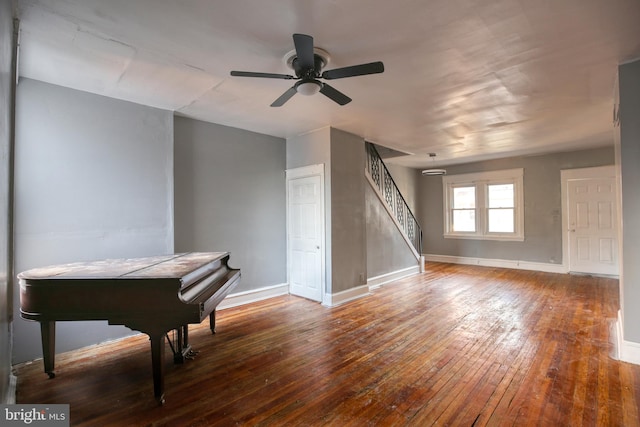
<point x="334" y="94"/>
<point x="304" y="50"/>
<point x="284" y="97"/>
<point x="354" y="70"/>
<point x="264" y="75"/>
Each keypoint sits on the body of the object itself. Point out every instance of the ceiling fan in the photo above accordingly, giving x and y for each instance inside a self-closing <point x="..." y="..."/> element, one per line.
<point x="307" y="62"/>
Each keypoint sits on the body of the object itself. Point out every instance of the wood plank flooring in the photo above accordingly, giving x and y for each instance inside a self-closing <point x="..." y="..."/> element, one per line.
<point x="456" y="345"/>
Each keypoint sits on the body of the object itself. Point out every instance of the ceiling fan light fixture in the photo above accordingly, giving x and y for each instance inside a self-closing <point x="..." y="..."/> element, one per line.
<point x="308" y="88"/>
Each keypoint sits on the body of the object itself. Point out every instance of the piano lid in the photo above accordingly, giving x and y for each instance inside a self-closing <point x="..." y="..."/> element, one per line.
<point x="164" y="266"/>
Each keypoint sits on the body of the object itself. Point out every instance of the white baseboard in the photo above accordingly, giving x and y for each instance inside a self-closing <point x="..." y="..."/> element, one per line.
<point x="501" y="263"/>
<point x="376" y="282"/>
<point x="10" y="398"/>
<point x="627" y="351"/>
<point x="329" y="300"/>
<point x="254" y="295"/>
<point x="332" y="300"/>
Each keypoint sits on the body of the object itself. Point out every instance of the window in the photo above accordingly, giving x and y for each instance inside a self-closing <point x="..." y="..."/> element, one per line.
<point x="484" y="205"/>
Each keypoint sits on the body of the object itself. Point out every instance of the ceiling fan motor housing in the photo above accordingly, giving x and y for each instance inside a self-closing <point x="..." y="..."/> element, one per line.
<point x="320" y="60"/>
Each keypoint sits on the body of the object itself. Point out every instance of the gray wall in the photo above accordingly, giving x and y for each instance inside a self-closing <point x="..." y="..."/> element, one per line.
<point x="230" y="196"/>
<point x="387" y="251"/>
<point x="407" y="181"/>
<point x="348" y="214"/>
<point x="629" y="155"/>
<point x="542" y="216"/>
<point x="6" y="135"/>
<point x="93" y="179"/>
<point x="313" y="148"/>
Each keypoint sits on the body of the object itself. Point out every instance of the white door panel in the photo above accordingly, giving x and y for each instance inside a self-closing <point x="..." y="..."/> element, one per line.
<point x="592" y="229"/>
<point x="305" y="234"/>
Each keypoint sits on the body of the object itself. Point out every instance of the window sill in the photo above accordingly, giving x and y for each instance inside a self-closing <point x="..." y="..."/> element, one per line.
<point x="485" y="237"/>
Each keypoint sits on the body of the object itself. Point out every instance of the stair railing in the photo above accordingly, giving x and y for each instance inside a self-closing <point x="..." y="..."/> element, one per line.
<point x="396" y="203"/>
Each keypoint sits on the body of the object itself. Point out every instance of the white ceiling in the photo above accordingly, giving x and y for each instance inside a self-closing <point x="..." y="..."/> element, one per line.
<point x="466" y="79"/>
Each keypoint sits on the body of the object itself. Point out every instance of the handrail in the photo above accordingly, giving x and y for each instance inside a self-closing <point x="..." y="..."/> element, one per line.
<point x="399" y="207"/>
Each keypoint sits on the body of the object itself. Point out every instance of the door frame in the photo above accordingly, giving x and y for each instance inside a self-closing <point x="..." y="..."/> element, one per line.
<point x="305" y="172"/>
<point x="567" y="175"/>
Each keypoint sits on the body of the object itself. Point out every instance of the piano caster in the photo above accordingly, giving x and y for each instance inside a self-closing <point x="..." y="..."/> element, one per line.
<point x="51" y="374"/>
<point x="160" y="400"/>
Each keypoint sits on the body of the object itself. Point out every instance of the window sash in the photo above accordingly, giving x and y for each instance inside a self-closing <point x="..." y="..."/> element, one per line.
<point x="499" y="220"/>
<point x="499" y="207"/>
<point x="497" y="202"/>
<point x="463" y="220"/>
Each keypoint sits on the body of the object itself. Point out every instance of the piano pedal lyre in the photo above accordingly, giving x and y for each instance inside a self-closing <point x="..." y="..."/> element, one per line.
<point x="180" y="346"/>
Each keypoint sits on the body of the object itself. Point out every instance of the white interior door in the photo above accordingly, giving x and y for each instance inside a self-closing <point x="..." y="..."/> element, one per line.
<point x="592" y="231"/>
<point x="305" y="226"/>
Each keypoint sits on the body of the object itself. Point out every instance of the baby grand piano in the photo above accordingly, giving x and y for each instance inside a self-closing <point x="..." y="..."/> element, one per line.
<point x="153" y="295"/>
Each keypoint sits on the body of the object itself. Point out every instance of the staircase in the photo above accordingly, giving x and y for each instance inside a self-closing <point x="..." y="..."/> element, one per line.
<point x="388" y="191"/>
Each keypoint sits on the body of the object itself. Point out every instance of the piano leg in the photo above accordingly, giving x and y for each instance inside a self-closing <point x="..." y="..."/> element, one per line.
<point x="48" y="333"/>
<point x="212" y="322"/>
<point x="157" y="358"/>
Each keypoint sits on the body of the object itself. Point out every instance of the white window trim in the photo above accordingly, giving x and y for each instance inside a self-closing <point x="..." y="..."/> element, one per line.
<point x="480" y="180"/>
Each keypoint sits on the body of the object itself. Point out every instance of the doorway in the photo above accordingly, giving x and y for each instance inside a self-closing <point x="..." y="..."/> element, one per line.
<point x="590" y="221"/>
<point x="305" y="232"/>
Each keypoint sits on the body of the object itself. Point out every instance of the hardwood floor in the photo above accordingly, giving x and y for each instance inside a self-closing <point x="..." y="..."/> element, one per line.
<point x="457" y="345"/>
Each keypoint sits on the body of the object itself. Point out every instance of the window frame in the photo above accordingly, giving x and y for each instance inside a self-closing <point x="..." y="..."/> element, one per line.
<point x="481" y="182"/>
